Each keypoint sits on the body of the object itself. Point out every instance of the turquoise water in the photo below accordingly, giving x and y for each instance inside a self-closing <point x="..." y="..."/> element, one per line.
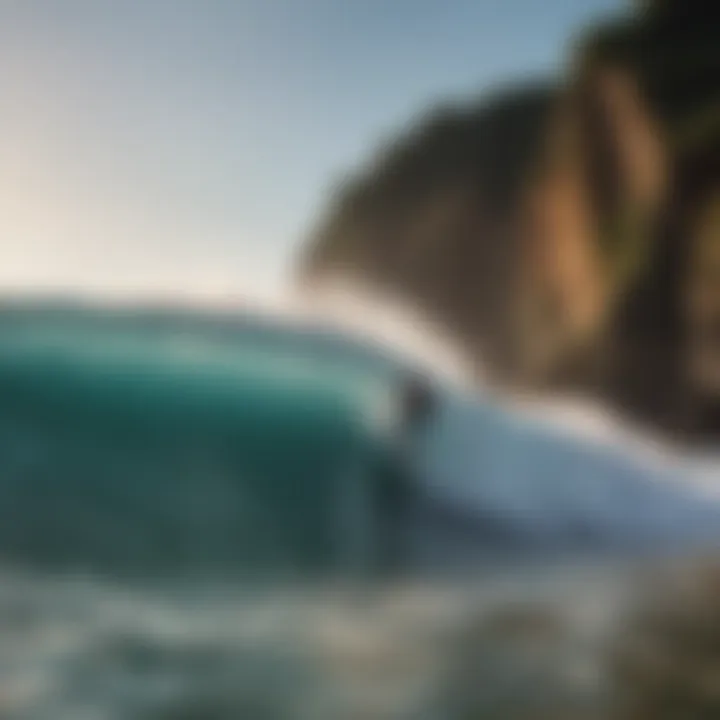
<point x="161" y="444"/>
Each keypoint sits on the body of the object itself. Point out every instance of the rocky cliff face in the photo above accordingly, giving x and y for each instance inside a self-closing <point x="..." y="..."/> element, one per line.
<point x="566" y="237"/>
<point x="645" y="101"/>
<point x="434" y="219"/>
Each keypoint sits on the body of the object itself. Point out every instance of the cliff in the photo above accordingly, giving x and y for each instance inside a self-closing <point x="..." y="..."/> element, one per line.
<point x="568" y="236"/>
<point x="433" y="219"/>
<point x="624" y="225"/>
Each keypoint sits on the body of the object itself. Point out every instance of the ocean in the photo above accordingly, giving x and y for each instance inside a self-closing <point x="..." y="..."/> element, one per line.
<point x="190" y="528"/>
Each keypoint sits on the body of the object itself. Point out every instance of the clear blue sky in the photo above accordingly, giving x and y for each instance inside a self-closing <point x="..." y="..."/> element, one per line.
<point x="189" y="143"/>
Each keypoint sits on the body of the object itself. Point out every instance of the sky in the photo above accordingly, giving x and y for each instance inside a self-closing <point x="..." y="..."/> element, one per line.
<point x="188" y="145"/>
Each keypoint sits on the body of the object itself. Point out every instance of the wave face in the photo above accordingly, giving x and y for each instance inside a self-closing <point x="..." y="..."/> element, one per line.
<point x="161" y="443"/>
<point x="155" y="443"/>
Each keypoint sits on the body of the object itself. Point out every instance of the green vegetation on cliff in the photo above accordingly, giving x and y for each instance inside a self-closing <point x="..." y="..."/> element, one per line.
<point x="673" y="51"/>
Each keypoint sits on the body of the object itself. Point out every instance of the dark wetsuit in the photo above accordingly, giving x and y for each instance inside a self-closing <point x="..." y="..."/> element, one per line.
<point x="397" y="493"/>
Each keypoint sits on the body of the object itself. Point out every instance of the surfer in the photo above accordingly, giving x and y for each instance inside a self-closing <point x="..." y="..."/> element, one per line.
<point x="397" y="492"/>
<point x="418" y="403"/>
